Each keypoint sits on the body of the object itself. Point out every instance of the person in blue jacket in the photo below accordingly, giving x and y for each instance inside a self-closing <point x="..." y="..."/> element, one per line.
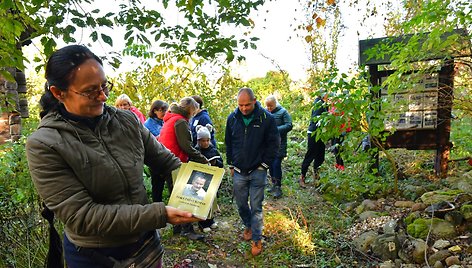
<point x="202" y="118"/>
<point x="284" y="125"/>
<point x="252" y="143"/>
<point x="155" y="119"/>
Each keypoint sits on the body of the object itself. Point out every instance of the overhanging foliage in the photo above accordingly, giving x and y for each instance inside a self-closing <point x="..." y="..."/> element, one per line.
<point x="199" y="33"/>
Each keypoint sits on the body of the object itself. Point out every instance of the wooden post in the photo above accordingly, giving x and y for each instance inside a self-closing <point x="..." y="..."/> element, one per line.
<point x="445" y="97"/>
<point x="374" y="81"/>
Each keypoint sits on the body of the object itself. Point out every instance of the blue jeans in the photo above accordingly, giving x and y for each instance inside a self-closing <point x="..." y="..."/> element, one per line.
<point x="250" y="187"/>
<point x="276" y="171"/>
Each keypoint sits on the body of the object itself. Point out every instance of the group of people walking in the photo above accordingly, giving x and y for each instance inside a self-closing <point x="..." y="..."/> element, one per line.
<point x="86" y="160"/>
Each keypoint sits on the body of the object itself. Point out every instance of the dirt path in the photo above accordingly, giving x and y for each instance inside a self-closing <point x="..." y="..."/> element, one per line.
<point x="290" y="227"/>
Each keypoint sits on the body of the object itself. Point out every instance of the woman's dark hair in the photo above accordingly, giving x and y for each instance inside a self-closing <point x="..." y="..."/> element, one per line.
<point x="157" y="105"/>
<point x="199" y="100"/>
<point x="60" y="69"/>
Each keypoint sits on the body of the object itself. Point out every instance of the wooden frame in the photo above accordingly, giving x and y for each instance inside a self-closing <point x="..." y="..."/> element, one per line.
<point x="433" y="137"/>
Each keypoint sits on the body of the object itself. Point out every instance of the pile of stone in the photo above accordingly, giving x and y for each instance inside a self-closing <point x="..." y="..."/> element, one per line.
<point x="433" y="231"/>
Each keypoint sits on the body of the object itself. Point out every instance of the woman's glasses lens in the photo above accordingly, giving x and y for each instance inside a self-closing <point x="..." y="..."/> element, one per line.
<point x="105" y="88"/>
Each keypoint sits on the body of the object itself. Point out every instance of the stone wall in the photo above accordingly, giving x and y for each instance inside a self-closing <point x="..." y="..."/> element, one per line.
<point x="13" y="105"/>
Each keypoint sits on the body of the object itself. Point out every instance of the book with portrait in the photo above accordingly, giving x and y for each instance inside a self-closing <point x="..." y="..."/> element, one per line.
<point x="195" y="188"/>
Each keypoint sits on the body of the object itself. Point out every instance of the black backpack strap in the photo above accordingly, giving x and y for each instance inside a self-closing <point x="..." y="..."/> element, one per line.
<point x="54" y="259"/>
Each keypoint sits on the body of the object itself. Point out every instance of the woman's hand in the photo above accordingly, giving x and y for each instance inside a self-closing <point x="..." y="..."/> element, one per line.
<point x="177" y="216"/>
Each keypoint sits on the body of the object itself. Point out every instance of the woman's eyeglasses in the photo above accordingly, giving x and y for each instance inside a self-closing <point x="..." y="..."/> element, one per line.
<point x="95" y="93"/>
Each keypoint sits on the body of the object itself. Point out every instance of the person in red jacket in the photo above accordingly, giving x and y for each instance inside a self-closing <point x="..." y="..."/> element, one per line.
<point x="176" y="136"/>
<point x="123" y="102"/>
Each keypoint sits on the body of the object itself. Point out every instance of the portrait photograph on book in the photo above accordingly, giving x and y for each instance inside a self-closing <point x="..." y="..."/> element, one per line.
<point x="197" y="185"/>
<point x="195" y="188"/>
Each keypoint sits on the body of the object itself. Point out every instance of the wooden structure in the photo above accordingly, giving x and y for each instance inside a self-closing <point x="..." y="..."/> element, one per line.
<point x="422" y="114"/>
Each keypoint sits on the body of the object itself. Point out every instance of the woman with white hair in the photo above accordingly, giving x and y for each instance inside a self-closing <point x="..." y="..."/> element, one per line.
<point x="284" y="125"/>
<point x="123" y="102"/>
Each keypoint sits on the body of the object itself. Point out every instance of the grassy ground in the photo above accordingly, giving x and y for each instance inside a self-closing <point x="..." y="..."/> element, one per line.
<point x="300" y="230"/>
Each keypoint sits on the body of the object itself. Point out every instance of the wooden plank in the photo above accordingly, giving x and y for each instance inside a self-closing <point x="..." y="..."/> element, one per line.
<point x="418" y="139"/>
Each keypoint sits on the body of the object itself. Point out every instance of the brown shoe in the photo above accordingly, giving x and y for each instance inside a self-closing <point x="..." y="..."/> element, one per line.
<point x="247" y="235"/>
<point x="256" y="248"/>
<point x="301" y="181"/>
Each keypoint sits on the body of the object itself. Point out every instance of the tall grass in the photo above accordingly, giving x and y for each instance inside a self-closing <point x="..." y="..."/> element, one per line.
<point x="23" y="234"/>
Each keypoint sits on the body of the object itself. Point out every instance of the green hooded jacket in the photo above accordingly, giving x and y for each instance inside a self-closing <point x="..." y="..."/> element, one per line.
<point x="284" y="125"/>
<point x="93" y="179"/>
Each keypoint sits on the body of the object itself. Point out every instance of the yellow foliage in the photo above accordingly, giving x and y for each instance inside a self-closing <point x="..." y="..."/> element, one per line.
<point x="320" y="22"/>
<point x="278" y="224"/>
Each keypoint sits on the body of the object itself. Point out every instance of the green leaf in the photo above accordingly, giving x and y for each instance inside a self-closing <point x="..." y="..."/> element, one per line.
<point x="107" y="39"/>
<point x="78" y="22"/>
<point x="94" y="36"/>
<point x="225" y="3"/>
<point x="49" y="45"/>
<point x="104" y="22"/>
<point x="76" y="13"/>
<point x="127" y="34"/>
<point x="229" y="56"/>
<point x="145" y="39"/>
<point x="130" y="41"/>
<point x="190" y="34"/>
<point x="7" y="75"/>
<point x="165" y="44"/>
<point x="91" y="22"/>
<point x="116" y="62"/>
<point x="51" y="20"/>
<point x="244" y="22"/>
